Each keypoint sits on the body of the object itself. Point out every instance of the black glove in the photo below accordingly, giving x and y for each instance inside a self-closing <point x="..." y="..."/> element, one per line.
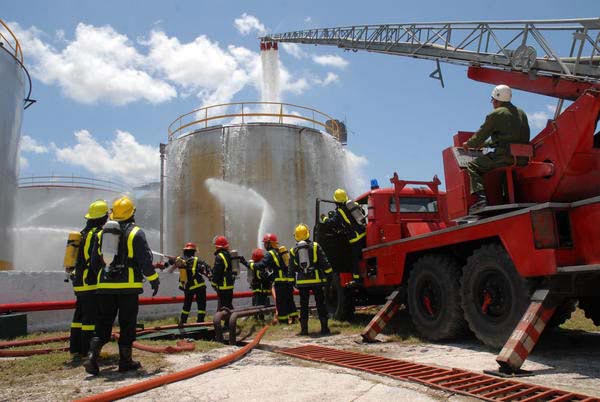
<point x="243" y="261"/>
<point x="154" y="284"/>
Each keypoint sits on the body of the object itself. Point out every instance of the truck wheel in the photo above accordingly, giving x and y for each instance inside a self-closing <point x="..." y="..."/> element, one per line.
<point x="494" y="295"/>
<point x="340" y="301"/>
<point x="434" y="297"/>
<point x="591" y="308"/>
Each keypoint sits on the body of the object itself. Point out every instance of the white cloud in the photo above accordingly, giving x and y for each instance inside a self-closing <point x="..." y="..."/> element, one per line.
<point x="23" y="163"/>
<point x="293" y="49"/>
<point x="248" y="23"/>
<point x="122" y="157"/>
<point x="539" y="119"/>
<point x="98" y="65"/>
<point x="330" y="60"/>
<point x="330" y="78"/>
<point x="29" y="144"/>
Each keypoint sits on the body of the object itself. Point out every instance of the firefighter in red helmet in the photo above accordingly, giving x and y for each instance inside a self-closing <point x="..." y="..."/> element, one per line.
<point x="275" y="266"/>
<point x="260" y="283"/>
<point x="222" y="273"/>
<point x="191" y="282"/>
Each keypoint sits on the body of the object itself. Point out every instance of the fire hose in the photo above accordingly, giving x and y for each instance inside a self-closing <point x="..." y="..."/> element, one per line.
<point x="174" y="377"/>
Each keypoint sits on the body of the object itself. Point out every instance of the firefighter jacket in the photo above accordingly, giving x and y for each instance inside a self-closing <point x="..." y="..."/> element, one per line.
<point x="132" y="263"/>
<point x="84" y="278"/>
<point x="222" y="274"/>
<point x="318" y="270"/>
<point x="354" y="230"/>
<point x="273" y="267"/>
<point x="194" y="268"/>
<point x="261" y="282"/>
<point x="504" y="125"/>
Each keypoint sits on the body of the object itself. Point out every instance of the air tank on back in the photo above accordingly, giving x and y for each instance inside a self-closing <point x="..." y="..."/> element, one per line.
<point x="246" y="177"/>
<point x="13" y="80"/>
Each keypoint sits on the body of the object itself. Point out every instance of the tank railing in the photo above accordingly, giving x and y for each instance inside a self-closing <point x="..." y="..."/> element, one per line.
<point x="5" y="40"/>
<point x="246" y="113"/>
<point x="74" y="182"/>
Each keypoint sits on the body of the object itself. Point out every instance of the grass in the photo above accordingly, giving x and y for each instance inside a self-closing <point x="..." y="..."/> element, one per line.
<point x="579" y="322"/>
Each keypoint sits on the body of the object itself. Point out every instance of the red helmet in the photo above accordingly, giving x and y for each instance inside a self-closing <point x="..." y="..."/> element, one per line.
<point x="190" y="246"/>
<point x="258" y="254"/>
<point x="221" y="242"/>
<point x="270" y="238"/>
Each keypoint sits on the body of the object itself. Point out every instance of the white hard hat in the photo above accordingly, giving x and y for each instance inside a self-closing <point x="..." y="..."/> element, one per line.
<point x="502" y="93"/>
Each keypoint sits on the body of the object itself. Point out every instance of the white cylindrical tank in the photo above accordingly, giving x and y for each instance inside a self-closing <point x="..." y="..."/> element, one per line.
<point x="13" y="83"/>
<point x="243" y="180"/>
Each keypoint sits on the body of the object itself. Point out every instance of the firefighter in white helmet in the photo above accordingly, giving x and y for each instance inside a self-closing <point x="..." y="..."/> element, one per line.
<point x="504" y="125"/>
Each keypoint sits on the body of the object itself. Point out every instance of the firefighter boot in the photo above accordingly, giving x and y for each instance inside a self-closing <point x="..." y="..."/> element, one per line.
<point x="303" y="327"/>
<point x="91" y="363"/>
<point x="126" y="363"/>
<point x="200" y="318"/>
<point x="182" y="320"/>
<point x="324" y="328"/>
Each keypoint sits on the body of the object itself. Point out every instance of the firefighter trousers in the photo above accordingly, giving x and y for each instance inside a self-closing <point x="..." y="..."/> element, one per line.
<point x="111" y="305"/>
<point x="188" y="297"/>
<point x="225" y="299"/>
<point x="357" y="256"/>
<point x="84" y="322"/>
<point x="319" y="300"/>
<point x="284" y="301"/>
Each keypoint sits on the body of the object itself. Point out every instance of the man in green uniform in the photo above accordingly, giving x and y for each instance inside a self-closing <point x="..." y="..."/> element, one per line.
<point x="506" y="124"/>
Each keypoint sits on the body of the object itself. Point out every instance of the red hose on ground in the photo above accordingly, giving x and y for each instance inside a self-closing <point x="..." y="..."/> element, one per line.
<point x="37" y="341"/>
<point x="182" y="346"/>
<point x="174" y="377"/>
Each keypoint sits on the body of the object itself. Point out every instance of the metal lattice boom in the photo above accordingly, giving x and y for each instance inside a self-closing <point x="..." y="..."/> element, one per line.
<point x="527" y="46"/>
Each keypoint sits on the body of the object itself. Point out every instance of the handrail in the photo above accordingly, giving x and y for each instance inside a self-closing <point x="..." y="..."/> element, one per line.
<point x="315" y="117"/>
<point x="74" y="182"/>
<point x="16" y="48"/>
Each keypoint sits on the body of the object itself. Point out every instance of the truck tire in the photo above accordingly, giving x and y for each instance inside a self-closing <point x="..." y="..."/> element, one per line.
<point x="494" y="295"/>
<point x="591" y="308"/>
<point x="434" y="297"/>
<point x="340" y="300"/>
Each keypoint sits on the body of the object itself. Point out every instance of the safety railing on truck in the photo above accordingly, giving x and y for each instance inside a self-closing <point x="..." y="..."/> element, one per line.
<point x="255" y="112"/>
<point x="89" y="183"/>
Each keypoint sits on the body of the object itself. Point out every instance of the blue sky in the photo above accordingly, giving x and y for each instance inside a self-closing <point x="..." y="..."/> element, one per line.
<point x="110" y="76"/>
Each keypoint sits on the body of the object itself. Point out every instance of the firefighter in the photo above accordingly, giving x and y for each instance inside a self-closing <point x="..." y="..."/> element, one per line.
<point x="506" y="124"/>
<point x="350" y="216"/>
<point x="191" y="282"/>
<point x="274" y="267"/>
<point x="312" y="270"/>
<point x="261" y="283"/>
<point x="222" y="273"/>
<point x="84" y="281"/>
<point x="123" y="258"/>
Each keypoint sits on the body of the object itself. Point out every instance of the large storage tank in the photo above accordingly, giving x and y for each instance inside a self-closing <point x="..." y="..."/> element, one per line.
<point x="13" y="81"/>
<point x="244" y="179"/>
<point x="48" y="207"/>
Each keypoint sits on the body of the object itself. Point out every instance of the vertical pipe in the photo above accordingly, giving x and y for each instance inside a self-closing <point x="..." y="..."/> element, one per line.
<point x="162" y="148"/>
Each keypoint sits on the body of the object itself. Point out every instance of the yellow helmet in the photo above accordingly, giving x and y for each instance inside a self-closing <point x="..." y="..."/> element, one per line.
<point x="301" y="232"/>
<point x="97" y="209"/>
<point x="122" y="209"/>
<point x="340" y="195"/>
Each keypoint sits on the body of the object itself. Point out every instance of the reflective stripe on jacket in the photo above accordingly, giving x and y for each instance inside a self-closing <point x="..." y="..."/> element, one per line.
<point x="317" y="271"/>
<point x="223" y="278"/>
<point x="83" y="279"/>
<point x="194" y="277"/>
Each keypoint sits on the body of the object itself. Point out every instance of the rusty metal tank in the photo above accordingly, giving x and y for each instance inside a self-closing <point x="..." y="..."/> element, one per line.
<point x="245" y="177"/>
<point x="14" y="81"/>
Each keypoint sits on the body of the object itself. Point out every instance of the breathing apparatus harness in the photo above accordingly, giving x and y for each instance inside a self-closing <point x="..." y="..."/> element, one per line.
<point x="113" y="240"/>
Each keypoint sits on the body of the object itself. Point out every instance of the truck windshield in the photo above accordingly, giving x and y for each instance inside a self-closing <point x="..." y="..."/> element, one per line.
<point x="414" y="204"/>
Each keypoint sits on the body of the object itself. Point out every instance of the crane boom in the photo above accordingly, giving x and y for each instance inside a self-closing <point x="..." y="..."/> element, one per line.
<point x="526" y="46"/>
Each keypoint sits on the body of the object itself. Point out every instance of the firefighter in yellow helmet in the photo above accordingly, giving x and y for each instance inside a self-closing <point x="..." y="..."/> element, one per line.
<point x="308" y="263"/>
<point x="123" y="258"/>
<point x="84" y="281"/>
<point x="350" y="216"/>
